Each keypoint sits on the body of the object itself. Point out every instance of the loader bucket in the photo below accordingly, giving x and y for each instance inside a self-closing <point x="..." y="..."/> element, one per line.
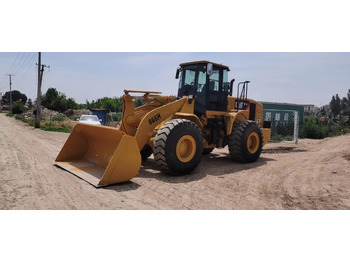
<point x="100" y="155"/>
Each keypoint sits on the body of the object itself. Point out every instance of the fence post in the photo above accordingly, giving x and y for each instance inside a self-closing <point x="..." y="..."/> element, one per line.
<point x="296" y="127"/>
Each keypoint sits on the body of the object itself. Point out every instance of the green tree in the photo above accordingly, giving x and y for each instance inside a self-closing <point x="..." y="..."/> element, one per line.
<point x="16" y="96"/>
<point x="58" y="101"/>
<point x="113" y="104"/>
<point x="344" y="103"/>
<point x="335" y="105"/>
<point x="71" y="104"/>
<point x="48" y="100"/>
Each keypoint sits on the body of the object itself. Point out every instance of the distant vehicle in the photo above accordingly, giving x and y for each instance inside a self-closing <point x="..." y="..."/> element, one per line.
<point x="90" y="119"/>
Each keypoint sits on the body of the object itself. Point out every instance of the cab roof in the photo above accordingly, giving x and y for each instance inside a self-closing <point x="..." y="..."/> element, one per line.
<point x="204" y="62"/>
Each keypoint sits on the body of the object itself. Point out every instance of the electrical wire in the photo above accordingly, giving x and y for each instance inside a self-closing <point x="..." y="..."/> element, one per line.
<point x="13" y="63"/>
<point x="18" y="63"/>
<point x="24" y="64"/>
<point x="29" y="65"/>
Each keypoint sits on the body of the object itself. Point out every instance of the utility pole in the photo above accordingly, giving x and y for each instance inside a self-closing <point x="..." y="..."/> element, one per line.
<point x="10" y="78"/>
<point x="38" y="99"/>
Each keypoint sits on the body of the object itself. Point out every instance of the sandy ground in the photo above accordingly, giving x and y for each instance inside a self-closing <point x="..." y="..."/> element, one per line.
<point x="315" y="174"/>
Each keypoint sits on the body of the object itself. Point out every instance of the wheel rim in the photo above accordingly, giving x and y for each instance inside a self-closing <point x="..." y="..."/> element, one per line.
<point x="253" y="143"/>
<point x="186" y="148"/>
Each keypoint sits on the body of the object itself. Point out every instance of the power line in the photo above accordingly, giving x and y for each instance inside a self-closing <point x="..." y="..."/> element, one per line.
<point x="3" y="79"/>
<point x="28" y="67"/>
<point x="13" y="63"/>
<point x="18" y="63"/>
<point x="24" y="64"/>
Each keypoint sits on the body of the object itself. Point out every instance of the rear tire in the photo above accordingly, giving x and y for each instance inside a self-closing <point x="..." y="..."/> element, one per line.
<point x="178" y="146"/>
<point x="245" y="142"/>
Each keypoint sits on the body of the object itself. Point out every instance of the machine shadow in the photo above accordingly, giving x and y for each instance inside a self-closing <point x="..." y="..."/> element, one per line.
<point x="122" y="187"/>
<point x="211" y="165"/>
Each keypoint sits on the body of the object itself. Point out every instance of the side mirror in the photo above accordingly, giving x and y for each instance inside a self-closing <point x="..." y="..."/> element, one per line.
<point x="231" y="87"/>
<point x="177" y="73"/>
<point x="209" y="69"/>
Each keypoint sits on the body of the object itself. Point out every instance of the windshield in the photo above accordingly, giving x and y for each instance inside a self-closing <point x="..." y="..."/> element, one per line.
<point x="192" y="79"/>
<point x="89" y="118"/>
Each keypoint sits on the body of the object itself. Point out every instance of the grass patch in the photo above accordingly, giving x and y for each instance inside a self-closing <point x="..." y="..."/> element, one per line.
<point x="55" y="129"/>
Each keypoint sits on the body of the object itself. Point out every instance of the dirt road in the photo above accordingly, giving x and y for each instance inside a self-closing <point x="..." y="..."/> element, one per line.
<point x="315" y="174"/>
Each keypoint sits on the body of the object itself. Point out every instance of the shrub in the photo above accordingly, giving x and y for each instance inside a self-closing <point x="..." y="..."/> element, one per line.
<point x="21" y="118"/>
<point x="58" y="118"/>
<point x="18" y="107"/>
<point x="313" y="128"/>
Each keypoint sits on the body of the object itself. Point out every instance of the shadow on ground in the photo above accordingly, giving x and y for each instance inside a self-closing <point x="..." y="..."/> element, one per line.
<point x="211" y="165"/>
<point x="122" y="187"/>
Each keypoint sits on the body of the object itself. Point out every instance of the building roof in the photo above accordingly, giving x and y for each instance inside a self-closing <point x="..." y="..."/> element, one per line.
<point x="284" y="104"/>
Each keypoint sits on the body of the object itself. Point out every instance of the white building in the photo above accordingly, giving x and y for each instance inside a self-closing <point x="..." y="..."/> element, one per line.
<point x="311" y="109"/>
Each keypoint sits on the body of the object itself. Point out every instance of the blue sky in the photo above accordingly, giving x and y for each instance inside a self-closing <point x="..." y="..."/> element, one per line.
<point x="303" y="78"/>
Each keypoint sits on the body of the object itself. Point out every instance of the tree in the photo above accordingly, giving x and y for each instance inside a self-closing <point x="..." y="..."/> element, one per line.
<point x="49" y="98"/>
<point x="335" y="105"/>
<point x="71" y="104"/>
<point x="344" y="103"/>
<point x="16" y="96"/>
<point x="58" y="101"/>
<point x="113" y="104"/>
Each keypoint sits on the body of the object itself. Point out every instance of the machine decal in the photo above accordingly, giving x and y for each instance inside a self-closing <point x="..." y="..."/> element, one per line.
<point x="154" y="119"/>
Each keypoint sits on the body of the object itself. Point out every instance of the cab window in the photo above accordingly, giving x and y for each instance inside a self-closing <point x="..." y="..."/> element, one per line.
<point x="214" y="81"/>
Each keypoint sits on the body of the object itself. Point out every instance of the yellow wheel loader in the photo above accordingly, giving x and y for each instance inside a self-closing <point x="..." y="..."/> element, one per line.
<point x="176" y="130"/>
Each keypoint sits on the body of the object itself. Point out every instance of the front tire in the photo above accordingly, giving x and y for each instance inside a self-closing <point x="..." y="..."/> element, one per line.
<point x="245" y="142"/>
<point x="178" y="146"/>
<point x="146" y="152"/>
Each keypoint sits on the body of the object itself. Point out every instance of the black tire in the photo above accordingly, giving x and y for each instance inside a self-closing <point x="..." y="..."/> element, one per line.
<point x="207" y="151"/>
<point x="146" y="152"/>
<point x="178" y="146"/>
<point x="242" y="150"/>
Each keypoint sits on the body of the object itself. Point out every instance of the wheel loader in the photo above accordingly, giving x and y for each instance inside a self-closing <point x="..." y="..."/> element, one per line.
<point x="177" y="130"/>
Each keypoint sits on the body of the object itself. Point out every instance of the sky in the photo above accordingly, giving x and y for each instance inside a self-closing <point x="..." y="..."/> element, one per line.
<point x="288" y="77"/>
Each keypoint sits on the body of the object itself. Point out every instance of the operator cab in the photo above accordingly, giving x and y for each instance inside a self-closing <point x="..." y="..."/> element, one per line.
<point x="206" y="81"/>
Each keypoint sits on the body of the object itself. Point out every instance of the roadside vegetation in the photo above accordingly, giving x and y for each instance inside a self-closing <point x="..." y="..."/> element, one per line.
<point x="61" y="113"/>
<point x="332" y="120"/>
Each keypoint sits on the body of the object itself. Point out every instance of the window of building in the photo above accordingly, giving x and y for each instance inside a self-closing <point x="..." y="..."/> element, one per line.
<point x="268" y="116"/>
<point x="278" y="117"/>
